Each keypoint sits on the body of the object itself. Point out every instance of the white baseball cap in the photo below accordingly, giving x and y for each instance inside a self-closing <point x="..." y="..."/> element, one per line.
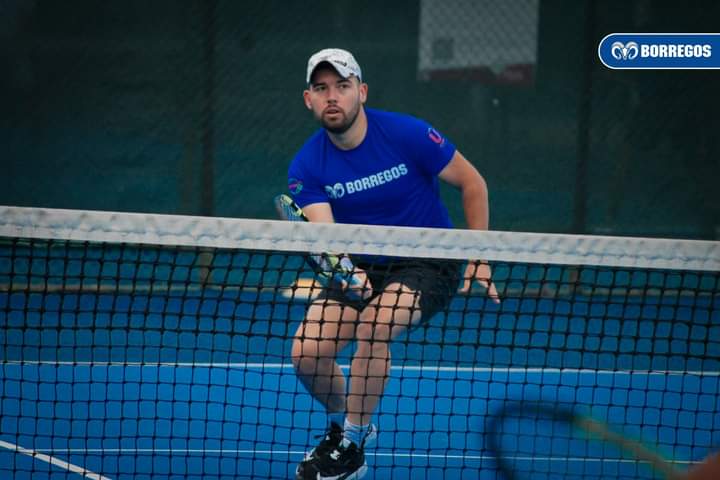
<point x="341" y="60"/>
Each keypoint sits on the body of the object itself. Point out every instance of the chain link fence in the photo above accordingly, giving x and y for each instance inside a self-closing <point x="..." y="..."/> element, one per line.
<point x="195" y="107"/>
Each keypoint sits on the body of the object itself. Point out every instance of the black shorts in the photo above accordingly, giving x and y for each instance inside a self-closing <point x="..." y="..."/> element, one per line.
<point x="435" y="280"/>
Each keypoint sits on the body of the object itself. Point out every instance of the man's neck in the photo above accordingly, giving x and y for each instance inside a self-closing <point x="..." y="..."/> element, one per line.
<point x="353" y="136"/>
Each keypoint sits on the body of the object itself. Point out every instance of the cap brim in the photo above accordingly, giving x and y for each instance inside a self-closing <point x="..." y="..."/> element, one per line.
<point x="344" y="72"/>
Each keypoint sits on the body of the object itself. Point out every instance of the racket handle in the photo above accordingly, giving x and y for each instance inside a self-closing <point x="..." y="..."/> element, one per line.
<point x="637" y="449"/>
<point x="341" y="271"/>
<point x="354" y="286"/>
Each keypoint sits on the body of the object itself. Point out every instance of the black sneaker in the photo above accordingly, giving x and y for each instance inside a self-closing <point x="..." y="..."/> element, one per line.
<point x="341" y="463"/>
<point x="330" y="441"/>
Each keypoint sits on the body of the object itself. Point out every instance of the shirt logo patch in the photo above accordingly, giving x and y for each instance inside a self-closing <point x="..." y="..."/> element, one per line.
<point x="435" y="136"/>
<point x="295" y="185"/>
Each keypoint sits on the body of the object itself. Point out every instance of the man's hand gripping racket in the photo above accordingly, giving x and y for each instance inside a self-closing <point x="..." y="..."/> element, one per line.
<point x="330" y="267"/>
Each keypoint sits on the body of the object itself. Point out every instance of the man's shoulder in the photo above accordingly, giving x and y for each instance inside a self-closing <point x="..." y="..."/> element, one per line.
<point x="400" y="129"/>
<point x="316" y="140"/>
<point x="398" y="126"/>
<point x="311" y="148"/>
<point x="390" y="118"/>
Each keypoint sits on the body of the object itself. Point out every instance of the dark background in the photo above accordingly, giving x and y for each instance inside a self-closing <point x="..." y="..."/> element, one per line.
<point x="194" y="107"/>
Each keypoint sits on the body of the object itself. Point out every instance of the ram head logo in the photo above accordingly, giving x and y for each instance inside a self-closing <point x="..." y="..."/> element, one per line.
<point x="624" y="52"/>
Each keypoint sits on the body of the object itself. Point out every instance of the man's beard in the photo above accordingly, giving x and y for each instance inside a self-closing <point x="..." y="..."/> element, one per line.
<point x="344" y="126"/>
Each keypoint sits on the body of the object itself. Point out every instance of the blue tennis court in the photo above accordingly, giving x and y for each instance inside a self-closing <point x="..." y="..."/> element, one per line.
<point x="203" y="387"/>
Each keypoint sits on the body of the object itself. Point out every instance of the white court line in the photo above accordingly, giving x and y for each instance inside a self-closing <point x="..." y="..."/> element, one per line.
<point x="226" y="451"/>
<point x="53" y="461"/>
<point x="397" y="368"/>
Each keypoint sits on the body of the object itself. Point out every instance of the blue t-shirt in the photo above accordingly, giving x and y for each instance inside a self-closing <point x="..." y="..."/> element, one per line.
<point x="389" y="179"/>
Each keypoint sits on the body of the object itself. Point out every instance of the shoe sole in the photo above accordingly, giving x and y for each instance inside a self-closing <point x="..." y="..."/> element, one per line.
<point x="356" y="475"/>
<point x="360" y="473"/>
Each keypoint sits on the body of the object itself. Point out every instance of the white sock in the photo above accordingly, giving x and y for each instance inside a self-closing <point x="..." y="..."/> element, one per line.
<point x="354" y="433"/>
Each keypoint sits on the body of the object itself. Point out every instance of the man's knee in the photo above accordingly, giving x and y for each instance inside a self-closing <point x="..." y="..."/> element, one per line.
<point x="373" y="333"/>
<point x="307" y="353"/>
<point x="380" y="324"/>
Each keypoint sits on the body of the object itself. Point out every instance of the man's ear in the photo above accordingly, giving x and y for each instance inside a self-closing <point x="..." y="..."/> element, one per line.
<point x="306" y="99"/>
<point x="363" y="92"/>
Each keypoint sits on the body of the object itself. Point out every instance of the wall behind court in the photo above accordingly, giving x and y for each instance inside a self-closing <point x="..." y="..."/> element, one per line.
<point x="195" y="108"/>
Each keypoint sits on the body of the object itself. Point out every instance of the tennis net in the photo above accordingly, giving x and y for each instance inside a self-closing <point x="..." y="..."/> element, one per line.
<point x="155" y="346"/>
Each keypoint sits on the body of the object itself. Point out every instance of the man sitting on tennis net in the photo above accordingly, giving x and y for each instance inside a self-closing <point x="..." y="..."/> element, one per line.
<point x="367" y="166"/>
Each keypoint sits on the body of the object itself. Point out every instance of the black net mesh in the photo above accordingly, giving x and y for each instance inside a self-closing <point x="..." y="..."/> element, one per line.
<point x="149" y="361"/>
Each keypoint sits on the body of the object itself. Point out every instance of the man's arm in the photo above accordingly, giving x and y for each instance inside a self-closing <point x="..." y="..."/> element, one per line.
<point x="319" y="212"/>
<point x="462" y="174"/>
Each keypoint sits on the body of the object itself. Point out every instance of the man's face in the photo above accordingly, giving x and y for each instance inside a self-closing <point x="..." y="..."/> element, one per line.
<point x="334" y="101"/>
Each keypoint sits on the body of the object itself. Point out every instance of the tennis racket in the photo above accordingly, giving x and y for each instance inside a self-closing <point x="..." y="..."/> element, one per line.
<point x="329" y="267"/>
<point x="537" y="440"/>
